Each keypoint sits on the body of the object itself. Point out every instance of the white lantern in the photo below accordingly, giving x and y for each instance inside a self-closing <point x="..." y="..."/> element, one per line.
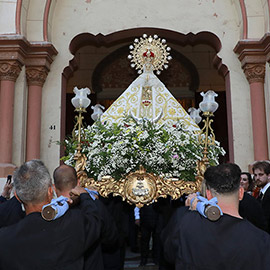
<point x="195" y="114"/>
<point x="98" y="111"/>
<point x="81" y="101"/>
<point x="208" y="104"/>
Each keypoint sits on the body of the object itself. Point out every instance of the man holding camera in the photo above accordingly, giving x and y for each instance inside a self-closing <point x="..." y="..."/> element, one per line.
<point x="192" y="241"/>
<point x="34" y="243"/>
<point x="6" y="190"/>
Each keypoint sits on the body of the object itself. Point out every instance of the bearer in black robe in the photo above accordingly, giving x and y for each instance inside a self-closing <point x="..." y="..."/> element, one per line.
<point x="65" y="179"/>
<point x="192" y="241"/>
<point x="34" y="243"/>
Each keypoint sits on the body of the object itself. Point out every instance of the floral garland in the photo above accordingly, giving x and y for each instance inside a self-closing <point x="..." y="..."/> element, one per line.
<point x="119" y="149"/>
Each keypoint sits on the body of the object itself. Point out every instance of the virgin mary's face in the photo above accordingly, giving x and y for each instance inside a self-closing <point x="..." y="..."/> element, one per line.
<point x="244" y="182"/>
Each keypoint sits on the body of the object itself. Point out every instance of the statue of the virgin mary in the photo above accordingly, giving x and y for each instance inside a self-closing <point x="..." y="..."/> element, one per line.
<point x="147" y="97"/>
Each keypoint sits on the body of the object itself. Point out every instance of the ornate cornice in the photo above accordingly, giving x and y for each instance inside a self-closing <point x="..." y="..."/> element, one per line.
<point x="40" y="54"/>
<point x="36" y="75"/>
<point x="253" y="50"/>
<point x="38" y="63"/>
<point x="255" y="72"/>
<point x="10" y="70"/>
<point x="253" y="54"/>
<point x="36" y="56"/>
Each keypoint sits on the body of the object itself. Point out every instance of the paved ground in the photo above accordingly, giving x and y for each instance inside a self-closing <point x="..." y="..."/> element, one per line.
<point x="132" y="262"/>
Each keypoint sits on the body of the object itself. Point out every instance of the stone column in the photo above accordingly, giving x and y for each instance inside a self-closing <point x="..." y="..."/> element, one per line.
<point x="9" y="71"/>
<point x="36" y="77"/>
<point x="37" y="66"/>
<point x="255" y="74"/>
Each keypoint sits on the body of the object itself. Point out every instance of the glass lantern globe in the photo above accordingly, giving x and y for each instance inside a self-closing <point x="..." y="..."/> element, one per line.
<point x="195" y="114"/>
<point x="81" y="101"/>
<point x="98" y="111"/>
<point x="208" y="104"/>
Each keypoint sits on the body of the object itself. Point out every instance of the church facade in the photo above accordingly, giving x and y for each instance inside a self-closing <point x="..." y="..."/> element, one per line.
<point x="47" y="47"/>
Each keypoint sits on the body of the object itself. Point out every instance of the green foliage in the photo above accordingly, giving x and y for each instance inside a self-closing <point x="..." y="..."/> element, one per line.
<point x="118" y="149"/>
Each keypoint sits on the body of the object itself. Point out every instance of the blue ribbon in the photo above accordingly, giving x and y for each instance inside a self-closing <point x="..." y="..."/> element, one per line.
<point x="60" y="205"/>
<point x="92" y="193"/>
<point x="203" y="203"/>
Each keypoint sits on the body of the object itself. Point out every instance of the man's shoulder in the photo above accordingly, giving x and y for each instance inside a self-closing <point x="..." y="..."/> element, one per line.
<point x="249" y="203"/>
<point x="253" y="230"/>
<point x="267" y="192"/>
<point x="192" y="219"/>
<point x="266" y="197"/>
<point x="227" y="228"/>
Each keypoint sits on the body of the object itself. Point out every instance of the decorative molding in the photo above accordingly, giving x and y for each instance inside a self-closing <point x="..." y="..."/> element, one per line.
<point x="251" y="51"/>
<point x="40" y="54"/>
<point x="36" y="75"/>
<point x="35" y="56"/>
<point x="38" y="63"/>
<point x="253" y="54"/>
<point x="10" y="70"/>
<point x="255" y="72"/>
<point x="46" y="19"/>
<point x="140" y="187"/>
<point x="268" y="5"/>
<point x="18" y="16"/>
<point x="244" y="18"/>
<point x="13" y="48"/>
<point x="222" y="69"/>
<point x="71" y="68"/>
<point x="128" y="35"/>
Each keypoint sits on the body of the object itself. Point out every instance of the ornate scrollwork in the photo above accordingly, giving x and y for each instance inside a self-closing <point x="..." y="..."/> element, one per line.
<point x="80" y="166"/>
<point x="9" y="70"/>
<point x="36" y="75"/>
<point x="255" y="72"/>
<point x="141" y="187"/>
<point x="177" y="188"/>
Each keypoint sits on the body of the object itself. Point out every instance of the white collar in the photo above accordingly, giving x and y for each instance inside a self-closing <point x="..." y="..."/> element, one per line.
<point x="263" y="190"/>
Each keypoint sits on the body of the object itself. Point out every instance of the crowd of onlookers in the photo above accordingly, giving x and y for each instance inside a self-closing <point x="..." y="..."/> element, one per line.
<point x="60" y="225"/>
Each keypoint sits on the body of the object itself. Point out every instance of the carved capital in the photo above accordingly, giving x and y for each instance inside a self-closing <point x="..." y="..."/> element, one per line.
<point x="255" y="72"/>
<point x="36" y="75"/>
<point x="9" y="70"/>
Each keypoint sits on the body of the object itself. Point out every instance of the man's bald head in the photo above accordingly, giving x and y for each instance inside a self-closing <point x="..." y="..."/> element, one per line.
<point x="65" y="178"/>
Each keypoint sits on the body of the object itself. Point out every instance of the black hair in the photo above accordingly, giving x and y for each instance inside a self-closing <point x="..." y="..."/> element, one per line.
<point x="224" y="178"/>
<point x="250" y="180"/>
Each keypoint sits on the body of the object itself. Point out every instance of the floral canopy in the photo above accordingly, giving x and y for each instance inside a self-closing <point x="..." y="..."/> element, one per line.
<point x="145" y="126"/>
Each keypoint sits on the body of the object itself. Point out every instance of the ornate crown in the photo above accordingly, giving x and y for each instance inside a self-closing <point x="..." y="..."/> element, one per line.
<point x="149" y="52"/>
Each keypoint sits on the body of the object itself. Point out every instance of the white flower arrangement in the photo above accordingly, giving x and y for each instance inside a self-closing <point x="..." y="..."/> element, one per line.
<point x="119" y="149"/>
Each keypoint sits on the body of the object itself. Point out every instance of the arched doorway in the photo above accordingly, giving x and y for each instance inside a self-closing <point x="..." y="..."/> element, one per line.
<point x="100" y="63"/>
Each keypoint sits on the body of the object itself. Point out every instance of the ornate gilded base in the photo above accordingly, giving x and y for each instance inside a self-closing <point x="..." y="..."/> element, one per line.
<point x="142" y="188"/>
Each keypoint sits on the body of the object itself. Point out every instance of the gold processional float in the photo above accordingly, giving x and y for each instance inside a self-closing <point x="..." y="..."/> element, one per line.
<point x="147" y="54"/>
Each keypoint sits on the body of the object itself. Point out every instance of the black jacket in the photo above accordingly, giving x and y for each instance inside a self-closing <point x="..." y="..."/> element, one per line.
<point x="266" y="207"/>
<point x="10" y="212"/>
<point x="36" y="244"/>
<point x="194" y="242"/>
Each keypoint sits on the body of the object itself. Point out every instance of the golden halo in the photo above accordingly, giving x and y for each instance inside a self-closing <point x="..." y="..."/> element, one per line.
<point x="149" y="50"/>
